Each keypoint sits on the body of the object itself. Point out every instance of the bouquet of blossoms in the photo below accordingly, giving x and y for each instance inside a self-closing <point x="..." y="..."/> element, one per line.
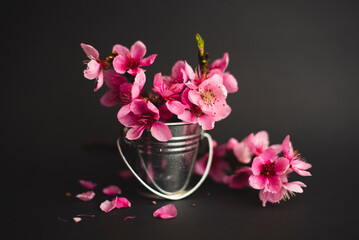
<point x="192" y="96"/>
<point x="254" y="163"/>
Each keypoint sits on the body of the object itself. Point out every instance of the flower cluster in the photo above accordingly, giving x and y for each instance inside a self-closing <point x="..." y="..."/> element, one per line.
<point x="192" y="96"/>
<point x="253" y="163"/>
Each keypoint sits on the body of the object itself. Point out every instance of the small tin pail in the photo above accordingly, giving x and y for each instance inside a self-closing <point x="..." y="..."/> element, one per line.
<point x="165" y="168"/>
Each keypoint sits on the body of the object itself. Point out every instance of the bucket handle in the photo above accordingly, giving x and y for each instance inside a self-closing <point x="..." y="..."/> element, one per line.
<point x="174" y="197"/>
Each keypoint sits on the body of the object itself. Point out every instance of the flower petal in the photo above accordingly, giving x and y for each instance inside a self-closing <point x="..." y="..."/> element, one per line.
<point x="126" y="117"/>
<point x="175" y="107"/>
<point x="220" y="63"/>
<point x="138" y="50"/>
<point x="294" y="186"/>
<point x="257" y="165"/>
<point x="281" y="166"/>
<point x="119" y="63"/>
<point x="165" y="212"/>
<point x="121" y="50"/>
<point x="90" y="51"/>
<point x="188" y="117"/>
<point x="257" y="182"/>
<point x="230" y="83"/>
<point x="107" y="206"/>
<point x="242" y="153"/>
<point x="93" y="70"/>
<point x="274" y="184"/>
<point x="135" y="132"/>
<point x="206" y="122"/>
<point x="87" y="184"/>
<point x="77" y="219"/>
<point x="148" y="60"/>
<point x="121" y="202"/>
<point x="99" y="81"/>
<point x="86" y="196"/>
<point x="112" y="190"/>
<point x="110" y="99"/>
<point x="161" y="132"/>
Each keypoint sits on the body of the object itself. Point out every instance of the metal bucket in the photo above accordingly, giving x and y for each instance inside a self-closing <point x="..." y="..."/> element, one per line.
<point x="166" y="168"/>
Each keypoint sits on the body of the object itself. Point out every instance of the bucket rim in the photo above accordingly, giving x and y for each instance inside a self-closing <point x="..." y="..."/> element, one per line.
<point x="179" y="123"/>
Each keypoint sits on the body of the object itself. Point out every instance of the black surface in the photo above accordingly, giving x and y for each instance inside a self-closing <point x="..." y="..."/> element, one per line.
<point x="297" y="66"/>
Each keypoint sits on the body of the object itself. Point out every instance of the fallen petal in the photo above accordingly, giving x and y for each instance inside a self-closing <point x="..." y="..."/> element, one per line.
<point x="85" y="215"/>
<point x="121" y="202"/>
<point x="129" y="217"/>
<point x="86" y="196"/>
<point x="165" y="212"/>
<point x="87" y="184"/>
<point x="125" y="174"/>
<point x="107" y="205"/>
<point x="77" y="219"/>
<point x="112" y="190"/>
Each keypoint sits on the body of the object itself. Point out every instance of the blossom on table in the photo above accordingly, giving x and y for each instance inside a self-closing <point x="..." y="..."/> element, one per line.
<point x="131" y="60"/>
<point x="295" y="162"/>
<point x="219" y="165"/>
<point x="266" y="171"/>
<point x="239" y="179"/>
<point x="259" y="142"/>
<point x="142" y="115"/>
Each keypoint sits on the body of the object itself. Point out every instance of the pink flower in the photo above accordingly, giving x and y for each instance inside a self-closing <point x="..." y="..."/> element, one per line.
<point x="242" y="152"/>
<point x="169" y="91"/>
<point x="128" y="91"/>
<point x="131" y="60"/>
<point x="287" y="190"/>
<point x="95" y="66"/>
<point x="295" y="162"/>
<point x="165" y="212"/>
<point x="194" y="114"/>
<point x="218" y="67"/>
<point x="141" y="115"/>
<point x="86" y="196"/>
<point x="211" y="97"/>
<point x="266" y="171"/>
<point x="239" y="179"/>
<point x="114" y="81"/>
<point x="260" y="142"/>
<point x="219" y="165"/>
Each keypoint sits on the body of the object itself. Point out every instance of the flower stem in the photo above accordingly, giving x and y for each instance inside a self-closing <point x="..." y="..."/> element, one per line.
<point x="202" y="56"/>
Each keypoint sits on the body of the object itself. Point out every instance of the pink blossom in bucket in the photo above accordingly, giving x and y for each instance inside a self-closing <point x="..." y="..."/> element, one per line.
<point x="166" y="212"/>
<point x="94" y="68"/>
<point x="87" y="184"/>
<point x="112" y="190"/>
<point x="114" y="81"/>
<point x="218" y="67"/>
<point x="131" y="60"/>
<point x="169" y="92"/>
<point x="266" y="171"/>
<point x="211" y="97"/>
<point x="295" y="162"/>
<point x="140" y="116"/>
<point x="86" y="196"/>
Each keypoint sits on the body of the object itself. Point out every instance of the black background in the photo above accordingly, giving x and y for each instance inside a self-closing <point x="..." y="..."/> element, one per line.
<point x="297" y="63"/>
